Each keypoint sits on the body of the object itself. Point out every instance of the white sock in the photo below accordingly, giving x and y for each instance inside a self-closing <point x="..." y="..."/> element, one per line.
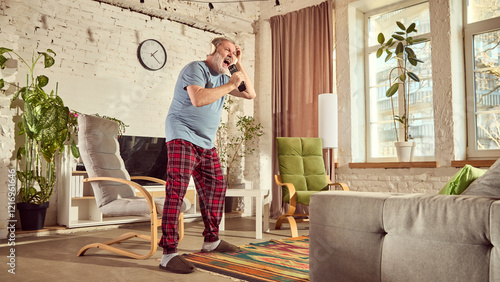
<point x="166" y="258"/>
<point x="210" y="246"/>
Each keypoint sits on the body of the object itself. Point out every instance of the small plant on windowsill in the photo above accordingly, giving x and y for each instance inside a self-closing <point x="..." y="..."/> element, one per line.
<point x="400" y="77"/>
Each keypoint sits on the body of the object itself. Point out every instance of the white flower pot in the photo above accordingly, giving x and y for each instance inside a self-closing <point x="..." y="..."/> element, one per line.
<point x="404" y="150"/>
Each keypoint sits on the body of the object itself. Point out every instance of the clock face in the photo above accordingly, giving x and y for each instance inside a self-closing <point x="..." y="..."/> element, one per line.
<point x="151" y="54"/>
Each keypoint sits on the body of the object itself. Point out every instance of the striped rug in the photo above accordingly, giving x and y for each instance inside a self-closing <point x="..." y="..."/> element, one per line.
<point x="275" y="260"/>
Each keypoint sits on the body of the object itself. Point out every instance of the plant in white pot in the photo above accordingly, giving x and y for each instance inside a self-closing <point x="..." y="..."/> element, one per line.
<point x="46" y="127"/>
<point x="399" y="79"/>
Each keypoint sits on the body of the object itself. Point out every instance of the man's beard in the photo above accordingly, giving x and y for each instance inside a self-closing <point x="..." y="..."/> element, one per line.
<point x="219" y="61"/>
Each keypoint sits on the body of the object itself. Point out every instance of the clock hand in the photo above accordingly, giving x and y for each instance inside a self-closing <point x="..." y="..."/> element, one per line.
<point x="153" y="55"/>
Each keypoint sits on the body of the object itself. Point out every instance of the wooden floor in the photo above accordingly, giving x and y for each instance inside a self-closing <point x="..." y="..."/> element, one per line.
<point x="51" y="255"/>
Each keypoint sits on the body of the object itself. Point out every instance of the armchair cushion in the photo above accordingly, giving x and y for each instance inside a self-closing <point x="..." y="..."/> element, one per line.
<point x="101" y="155"/>
<point x="301" y="163"/>
<point x="136" y="206"/>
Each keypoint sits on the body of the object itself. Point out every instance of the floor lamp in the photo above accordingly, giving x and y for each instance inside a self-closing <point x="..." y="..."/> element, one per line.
<point x="328" y="127"/>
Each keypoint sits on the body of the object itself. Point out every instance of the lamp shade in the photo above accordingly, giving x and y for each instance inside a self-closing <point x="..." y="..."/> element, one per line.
<point x="328" y="120"/>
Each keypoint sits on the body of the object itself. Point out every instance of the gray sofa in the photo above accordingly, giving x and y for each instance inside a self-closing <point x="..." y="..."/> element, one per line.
<point x="369" y="236"/>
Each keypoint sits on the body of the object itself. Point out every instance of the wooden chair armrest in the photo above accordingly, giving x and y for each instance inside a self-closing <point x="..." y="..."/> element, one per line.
<point x="342" y="185"/>
<point x="290" y="187"/>
<point x="142" y="190"/>
<point x="148" y="178"/>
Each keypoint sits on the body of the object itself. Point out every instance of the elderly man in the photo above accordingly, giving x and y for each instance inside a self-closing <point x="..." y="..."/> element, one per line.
<point x="191" y="126"/>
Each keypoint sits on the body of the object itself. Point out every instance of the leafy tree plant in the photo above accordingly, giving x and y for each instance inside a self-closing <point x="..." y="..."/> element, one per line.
<point x="45" y="124"/>
<point x="400" y="75"/>
<point x="234" y="141"/>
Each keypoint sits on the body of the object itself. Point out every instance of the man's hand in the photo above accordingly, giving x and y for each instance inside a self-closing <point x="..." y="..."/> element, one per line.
<point x="239" y="76"/>
<point x="238" y="53"/>
<point x="236" y="79"/>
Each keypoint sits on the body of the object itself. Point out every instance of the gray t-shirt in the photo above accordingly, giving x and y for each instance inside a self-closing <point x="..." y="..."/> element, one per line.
<point x="197" y="125"/>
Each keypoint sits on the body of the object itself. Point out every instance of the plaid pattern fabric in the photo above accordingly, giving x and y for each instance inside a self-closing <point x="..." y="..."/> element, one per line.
<point x="185" y="160"/>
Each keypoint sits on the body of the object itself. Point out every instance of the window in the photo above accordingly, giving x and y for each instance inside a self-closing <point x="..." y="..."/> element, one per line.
<point x="482" y="62"/>
<point x="381" y="133"/>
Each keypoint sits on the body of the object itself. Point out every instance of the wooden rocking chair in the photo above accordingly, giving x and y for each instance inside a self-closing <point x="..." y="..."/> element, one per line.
<point x="113" y="188"/>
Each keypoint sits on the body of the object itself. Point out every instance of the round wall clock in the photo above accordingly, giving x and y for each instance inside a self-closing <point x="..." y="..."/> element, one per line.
<point x="151" y="54"/>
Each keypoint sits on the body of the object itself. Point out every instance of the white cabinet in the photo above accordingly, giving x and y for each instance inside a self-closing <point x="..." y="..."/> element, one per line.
<point x="77" y="206"/>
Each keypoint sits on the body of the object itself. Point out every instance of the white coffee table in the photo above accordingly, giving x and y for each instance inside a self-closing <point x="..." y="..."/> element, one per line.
<point x="261" y="208"/>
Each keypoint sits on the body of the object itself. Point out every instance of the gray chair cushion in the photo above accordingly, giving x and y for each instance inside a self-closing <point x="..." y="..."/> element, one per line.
<point x="488" y="184"/>
<point x="100" y="152"/>
<point x="137" y="206"/>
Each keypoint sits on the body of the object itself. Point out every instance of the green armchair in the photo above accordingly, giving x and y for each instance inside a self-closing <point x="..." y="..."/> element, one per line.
<point x="301" y="174"/>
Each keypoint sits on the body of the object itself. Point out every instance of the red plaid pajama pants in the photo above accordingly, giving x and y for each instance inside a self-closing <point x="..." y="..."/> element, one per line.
<point x="185" y="160"/>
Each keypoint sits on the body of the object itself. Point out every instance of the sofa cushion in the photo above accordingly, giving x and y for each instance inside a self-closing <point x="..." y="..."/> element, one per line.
<point x="461" y="180"/>
<point x="488" y="184"/>
<point x="437" y="238"/>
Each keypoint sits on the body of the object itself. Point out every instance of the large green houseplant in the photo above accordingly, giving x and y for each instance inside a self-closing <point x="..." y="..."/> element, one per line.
<point x="46" y="126"/>
<point x="400" y="76"/>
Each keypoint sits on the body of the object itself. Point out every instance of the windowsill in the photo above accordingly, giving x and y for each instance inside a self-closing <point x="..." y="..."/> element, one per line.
<point x="432" y="164"/>
<point x="475" y="163"/>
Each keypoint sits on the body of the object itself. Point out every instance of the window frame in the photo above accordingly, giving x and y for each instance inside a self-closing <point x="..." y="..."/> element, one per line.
<point x="369" y="50"/>
<point x="470" y="30"/>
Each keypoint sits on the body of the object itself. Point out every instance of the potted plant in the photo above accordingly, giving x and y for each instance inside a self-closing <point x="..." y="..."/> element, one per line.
<point x="399" y="79"/>
<point x="235" y="140"/>
<point x="46" y="126"/>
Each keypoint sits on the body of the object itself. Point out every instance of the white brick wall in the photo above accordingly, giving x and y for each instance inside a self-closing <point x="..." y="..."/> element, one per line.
<point x="96" y="64"/>
<point x="7" y="126"/>
<point x="415" y="180"/>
